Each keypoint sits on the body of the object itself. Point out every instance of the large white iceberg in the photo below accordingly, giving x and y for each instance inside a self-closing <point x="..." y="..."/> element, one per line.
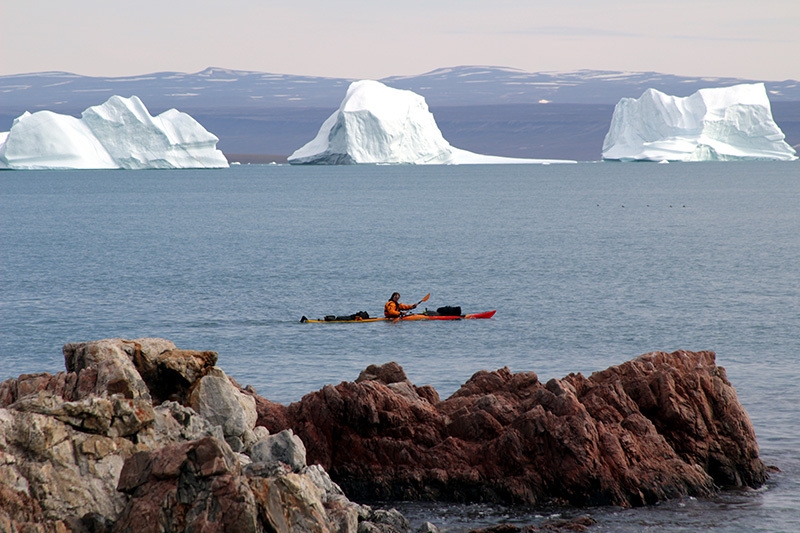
<point x="381" y="125"/>
<point x="718" y="124"/>
<point x="120" y="133"/>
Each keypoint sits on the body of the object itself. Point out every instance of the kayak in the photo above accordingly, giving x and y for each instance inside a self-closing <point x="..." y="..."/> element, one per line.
<point x="412" y="317"/>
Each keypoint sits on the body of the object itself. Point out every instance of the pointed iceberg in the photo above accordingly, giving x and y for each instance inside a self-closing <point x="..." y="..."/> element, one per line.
<point x="120" y="133"/>
<point x="381" y="125"/>
<point x="717" y="124"/>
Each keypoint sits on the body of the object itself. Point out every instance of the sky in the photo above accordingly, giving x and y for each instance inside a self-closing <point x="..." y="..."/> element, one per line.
<point x="362" y="39"/>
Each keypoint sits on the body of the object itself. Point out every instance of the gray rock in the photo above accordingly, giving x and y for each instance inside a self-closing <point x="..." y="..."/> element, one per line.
<point x="384" y="521"/>
<point x="260" y="433"/>
<point x="285" y="447"/>
<point x="113" y="417"/>
<point x="235" y="443"/>
<point x="68" y="472"/>
<point x="393" y="518"/>
<point x="321" y="479"/>
<point x="262" y="469"/>
<point x="175" y="423"/>
<point x="220" y="402"/>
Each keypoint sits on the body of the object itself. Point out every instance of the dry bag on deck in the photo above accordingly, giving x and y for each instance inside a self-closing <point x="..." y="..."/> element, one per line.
<point x="361" y="315"/>
<point x="449" y="310"/>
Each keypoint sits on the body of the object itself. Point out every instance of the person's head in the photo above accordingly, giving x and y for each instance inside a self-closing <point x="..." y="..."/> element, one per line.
<point x="395" y="296"/>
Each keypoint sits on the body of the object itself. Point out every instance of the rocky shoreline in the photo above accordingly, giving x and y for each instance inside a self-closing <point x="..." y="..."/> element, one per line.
<point x="138" y="435"/>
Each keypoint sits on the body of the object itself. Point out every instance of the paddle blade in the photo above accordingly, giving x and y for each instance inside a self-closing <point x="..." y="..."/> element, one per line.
<point x="424" y="299"/>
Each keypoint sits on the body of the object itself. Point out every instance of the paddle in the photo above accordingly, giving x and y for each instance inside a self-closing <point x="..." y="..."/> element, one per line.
<point x="424" y="299"/>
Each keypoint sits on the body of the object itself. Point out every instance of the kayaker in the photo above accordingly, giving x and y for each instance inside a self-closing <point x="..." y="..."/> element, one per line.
<point x="394" y="309"/>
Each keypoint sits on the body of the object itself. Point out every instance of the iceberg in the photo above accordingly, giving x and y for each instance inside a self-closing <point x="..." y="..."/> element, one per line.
<point x="120" y="133"/>
<point x="717" y="124"/>
<point x="380" y="125"/>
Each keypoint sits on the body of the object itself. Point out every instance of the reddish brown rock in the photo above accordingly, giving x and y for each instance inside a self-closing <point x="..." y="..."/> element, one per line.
<point x="658" y="427"/>
<point x="193" y="486"/>
<point x="692" y="404"/>
<point x="20" y="512"/>
<point x="200" y="486"/>
<point x="62" y="385"/>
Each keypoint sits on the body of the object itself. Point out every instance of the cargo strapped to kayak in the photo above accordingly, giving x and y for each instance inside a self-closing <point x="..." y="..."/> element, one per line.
<point x="449" y="310"/>
<point x="361" y="315"/>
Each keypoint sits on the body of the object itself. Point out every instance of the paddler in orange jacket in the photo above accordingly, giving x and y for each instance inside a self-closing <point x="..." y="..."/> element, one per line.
<point x="393" y="308"/>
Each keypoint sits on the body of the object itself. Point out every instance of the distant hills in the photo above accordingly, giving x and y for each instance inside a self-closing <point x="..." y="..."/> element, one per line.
<point x="496" y="110"/>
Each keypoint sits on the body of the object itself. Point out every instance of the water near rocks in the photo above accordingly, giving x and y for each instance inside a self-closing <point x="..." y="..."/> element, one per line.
<point x="588" y="265"/>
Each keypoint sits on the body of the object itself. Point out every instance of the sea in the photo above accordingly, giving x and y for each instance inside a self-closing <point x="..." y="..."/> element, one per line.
<point x="588" y="265"/>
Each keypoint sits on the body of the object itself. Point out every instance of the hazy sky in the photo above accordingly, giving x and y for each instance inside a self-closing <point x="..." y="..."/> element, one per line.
<point x="756" y="39"/>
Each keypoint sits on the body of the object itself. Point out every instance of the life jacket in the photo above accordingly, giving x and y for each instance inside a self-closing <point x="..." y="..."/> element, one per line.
<point x="392" y="309"/>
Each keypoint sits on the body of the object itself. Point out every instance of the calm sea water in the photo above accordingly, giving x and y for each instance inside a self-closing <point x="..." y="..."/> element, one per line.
<point x="588" y="266"/>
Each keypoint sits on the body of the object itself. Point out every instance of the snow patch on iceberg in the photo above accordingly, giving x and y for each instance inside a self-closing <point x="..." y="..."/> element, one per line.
<point x="381" y="125"/>
<point x="717" y="124"/>
<point x="120" y="133"/>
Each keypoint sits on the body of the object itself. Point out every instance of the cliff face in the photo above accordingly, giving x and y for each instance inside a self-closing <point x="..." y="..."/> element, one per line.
<point x="658" y="427"/>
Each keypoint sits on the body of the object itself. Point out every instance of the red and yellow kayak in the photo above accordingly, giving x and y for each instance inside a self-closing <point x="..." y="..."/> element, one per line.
<point x="412" y="317"/>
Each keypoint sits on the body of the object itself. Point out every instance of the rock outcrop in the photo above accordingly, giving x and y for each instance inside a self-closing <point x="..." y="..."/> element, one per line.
<point x="139" y="436"/>
<point x="658" y="427"/>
